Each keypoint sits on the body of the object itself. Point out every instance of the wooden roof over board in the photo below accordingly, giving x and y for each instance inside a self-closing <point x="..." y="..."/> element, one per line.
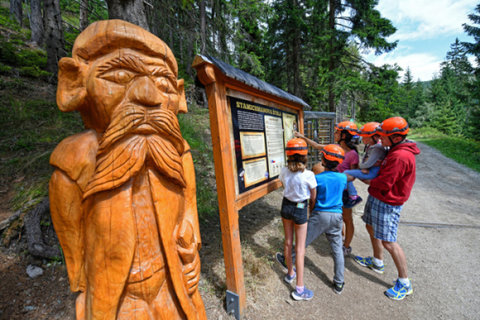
<point x="252" y="81"/>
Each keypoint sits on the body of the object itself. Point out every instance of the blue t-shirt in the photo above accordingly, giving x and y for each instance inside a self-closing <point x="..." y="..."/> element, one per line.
<point x="330" y="186"/>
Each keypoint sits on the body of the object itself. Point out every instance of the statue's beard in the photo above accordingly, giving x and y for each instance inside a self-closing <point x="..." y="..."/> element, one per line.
<point x="135" y="135"/>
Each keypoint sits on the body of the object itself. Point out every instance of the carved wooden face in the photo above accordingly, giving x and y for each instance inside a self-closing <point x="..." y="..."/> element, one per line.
<point x="126" y="77"/>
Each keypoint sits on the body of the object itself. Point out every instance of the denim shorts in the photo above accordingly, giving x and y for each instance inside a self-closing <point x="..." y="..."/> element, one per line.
<point x="383" y="218"/>
<point x="298" y="212"/>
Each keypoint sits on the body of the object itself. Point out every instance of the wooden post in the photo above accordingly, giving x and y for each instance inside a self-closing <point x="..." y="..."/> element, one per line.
<point x="222" y="154"/>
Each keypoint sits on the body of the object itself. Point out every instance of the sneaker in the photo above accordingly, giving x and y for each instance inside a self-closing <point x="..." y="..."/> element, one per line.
<point x="347" y="251"/>
<point x="338" y="287"/>
<point x="368" y="262"/>
<point x="289" y="278"/>
<point x="281" y="259"/>
<point x="399" y="291"/>
<point x="353" y="202"/>
<point x="305" y="295"/>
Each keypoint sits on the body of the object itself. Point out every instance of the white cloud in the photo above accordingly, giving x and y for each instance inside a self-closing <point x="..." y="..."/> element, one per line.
<point x="424" y="19"/>
<point x="422" y="65"/>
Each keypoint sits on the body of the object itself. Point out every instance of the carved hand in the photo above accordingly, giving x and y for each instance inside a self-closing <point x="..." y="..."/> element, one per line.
<point x="188" y="251"/>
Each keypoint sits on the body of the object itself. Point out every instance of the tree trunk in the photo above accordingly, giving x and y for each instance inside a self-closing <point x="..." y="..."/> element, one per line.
<point x="16" y="10"/>
<point x="33" y="228"/>
<point x="36" y="22"/>
<point x="203" y="27"/>
<point x="54" y="34"/>
<point x="331" y="58"/>
<point x="133" y="11"/>
<point x="83" y="14"/>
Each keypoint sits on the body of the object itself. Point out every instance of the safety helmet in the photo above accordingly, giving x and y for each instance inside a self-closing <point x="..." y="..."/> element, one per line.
<point x="333" y="152"/>
<point x="394" y="125"/>
<point x="347" y="125"/>
<point x="296" y="146"/>
<point x="368" y="129"/>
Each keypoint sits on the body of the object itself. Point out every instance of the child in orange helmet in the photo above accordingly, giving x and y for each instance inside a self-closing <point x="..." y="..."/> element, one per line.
<point x="370" y="165"/>
<point x="326" y="216"/>
<point x="344" y="133"/>
<point x="299" y="186"/>
<point x="387" y="194"/>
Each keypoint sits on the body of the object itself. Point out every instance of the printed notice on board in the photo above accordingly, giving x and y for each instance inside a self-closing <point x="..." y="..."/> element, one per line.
<point x="253" y="144"/>
<point x="275" y="147"/>
<point x="259" y="136"/>
<point x="290" y="126"/>
<point x="255" y="171"/>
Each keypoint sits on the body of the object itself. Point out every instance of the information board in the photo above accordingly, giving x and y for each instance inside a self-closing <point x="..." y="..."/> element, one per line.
<point x="260" y="134"/>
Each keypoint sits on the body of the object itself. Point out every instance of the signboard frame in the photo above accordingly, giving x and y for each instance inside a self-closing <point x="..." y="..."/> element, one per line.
<point x="221" y="85"/>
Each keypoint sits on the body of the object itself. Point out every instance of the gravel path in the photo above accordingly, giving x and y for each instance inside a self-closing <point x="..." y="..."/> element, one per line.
<point x="439" y="231"/>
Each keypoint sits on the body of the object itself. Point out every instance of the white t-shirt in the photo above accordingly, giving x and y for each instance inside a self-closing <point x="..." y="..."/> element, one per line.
<point x="297" y="185"/>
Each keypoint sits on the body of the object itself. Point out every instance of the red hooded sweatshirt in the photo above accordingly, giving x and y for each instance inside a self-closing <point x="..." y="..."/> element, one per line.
<point x="397" y="175"/>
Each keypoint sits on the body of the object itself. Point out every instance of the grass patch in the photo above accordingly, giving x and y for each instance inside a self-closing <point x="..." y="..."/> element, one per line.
<point x="193" y="126"/>
<point x="464" y="151"/>
<point x="30" y="128"/>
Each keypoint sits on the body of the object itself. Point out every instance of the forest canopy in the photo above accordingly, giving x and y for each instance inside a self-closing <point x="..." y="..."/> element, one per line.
<point x="312" y="49"/>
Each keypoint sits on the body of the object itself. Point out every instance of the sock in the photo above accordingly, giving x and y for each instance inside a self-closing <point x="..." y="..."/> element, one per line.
<point x="300" y="289"/>
<point x="377" y="262"/>
<point x="404" y="281"/>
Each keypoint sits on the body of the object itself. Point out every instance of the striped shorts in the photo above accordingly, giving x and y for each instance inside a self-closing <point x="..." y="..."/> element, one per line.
<point x="383" y="218"/>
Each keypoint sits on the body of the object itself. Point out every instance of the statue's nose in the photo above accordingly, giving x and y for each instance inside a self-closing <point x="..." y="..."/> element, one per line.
<point x="144" y="92"/>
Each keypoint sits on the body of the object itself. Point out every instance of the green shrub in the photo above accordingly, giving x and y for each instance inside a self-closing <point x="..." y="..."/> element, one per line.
<point x="6" y="70"/>
<point x="8" y="52"/>
<point x="34" y="72"/>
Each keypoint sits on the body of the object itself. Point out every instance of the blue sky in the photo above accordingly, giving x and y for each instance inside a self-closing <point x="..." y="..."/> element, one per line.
<point x="425" y="30"/>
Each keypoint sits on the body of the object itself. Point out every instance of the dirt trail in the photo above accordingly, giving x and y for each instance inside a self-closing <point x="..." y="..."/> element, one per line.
<point x="439" y="231"/>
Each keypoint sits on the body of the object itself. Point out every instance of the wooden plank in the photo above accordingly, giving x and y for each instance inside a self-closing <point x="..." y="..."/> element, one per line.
<point x="222" y="154"/>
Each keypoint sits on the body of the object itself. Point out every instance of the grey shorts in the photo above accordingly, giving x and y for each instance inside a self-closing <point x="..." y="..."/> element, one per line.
<point x="296" y="211"/>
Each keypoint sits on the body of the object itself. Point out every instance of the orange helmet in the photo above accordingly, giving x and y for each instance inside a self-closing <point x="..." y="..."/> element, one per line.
<point x="347" y="125"/>
<point x="296" y="146"/>
<point x="368" y="129"/>
<point x="394" y="125"/>
<point x="333" y="152"/>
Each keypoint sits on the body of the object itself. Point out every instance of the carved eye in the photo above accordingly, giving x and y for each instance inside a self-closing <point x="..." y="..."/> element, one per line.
<point x="120" y="76"/>
<point x="164" y="84"/>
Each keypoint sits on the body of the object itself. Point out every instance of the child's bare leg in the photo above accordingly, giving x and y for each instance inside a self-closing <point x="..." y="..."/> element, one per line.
<point x="349" y="227"/>
<point x="300" y="236"/>
<point x="288" y="227"/>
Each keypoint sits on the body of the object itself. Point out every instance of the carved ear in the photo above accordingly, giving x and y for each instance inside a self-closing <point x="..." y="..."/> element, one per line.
<point x="71" y="92"/>
<point x="182" y="103"/>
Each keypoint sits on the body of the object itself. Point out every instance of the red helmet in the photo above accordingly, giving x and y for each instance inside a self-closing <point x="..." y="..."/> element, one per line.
<point x="368" y="129"/>
<point x="347" y="125"/>
<point x="296" y="146"/>
<point x="333" y="152"/>
<point x="394" y="125"/>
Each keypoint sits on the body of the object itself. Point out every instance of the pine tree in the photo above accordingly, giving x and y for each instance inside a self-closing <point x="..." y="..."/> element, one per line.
<point x="357" y="21"/>
<point x="473" y="48"/>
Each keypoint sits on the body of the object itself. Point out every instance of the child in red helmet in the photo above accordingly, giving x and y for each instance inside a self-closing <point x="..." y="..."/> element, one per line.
<point x="387" y="194"/>
<point x="299" y="186"/>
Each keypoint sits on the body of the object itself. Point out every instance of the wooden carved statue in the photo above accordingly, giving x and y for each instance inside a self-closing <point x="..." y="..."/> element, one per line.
<point x="122" y="196"/>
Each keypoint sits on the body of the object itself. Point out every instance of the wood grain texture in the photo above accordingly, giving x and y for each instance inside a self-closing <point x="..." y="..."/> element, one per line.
<point x="123" y="195"/>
